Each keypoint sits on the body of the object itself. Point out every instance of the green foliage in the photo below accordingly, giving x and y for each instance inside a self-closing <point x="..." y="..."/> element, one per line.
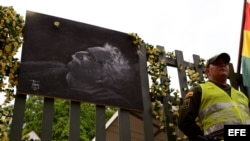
<point x="33" y="114"/>
<point x="11" y="27"/>
<point x="60" y="127"/>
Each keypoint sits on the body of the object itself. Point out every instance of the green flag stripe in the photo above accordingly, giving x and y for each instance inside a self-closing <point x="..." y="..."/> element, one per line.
<point x="246" y="71"/>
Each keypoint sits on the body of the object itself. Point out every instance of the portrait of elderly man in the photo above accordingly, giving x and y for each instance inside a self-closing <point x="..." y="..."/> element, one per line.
<point x="98" y="68"/>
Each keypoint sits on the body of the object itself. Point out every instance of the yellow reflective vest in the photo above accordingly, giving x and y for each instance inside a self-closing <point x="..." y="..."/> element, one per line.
<point x="219" y="109"/>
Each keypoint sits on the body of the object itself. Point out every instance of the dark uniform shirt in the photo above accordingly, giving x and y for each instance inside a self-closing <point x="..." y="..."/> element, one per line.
<point x="190" y="108"/>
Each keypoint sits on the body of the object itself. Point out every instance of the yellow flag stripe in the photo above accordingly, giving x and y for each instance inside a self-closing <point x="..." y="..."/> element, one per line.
<point x="246" y="44"/>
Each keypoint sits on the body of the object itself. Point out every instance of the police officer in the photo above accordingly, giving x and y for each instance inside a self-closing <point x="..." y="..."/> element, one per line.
<point x="209" y="106"/>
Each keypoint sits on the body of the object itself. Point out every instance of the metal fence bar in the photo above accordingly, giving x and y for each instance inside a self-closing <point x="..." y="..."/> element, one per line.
<point x="18" y="118"/>
<point x="181" y="65"/>
<point x="147" y="112"/>
<point x="74" y="129"/>
<point x="198" y="67"/>
<point x="165" y="100"/>
<point x="100" y="123"/>
<point x="124" y="125"/>
<point x="47" y="119"/>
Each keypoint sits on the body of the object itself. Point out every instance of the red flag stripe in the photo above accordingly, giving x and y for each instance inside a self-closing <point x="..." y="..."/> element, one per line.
<point x="247" y="16"/>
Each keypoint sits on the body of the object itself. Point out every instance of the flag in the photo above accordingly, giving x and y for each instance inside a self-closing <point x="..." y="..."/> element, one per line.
<point x="245" y="56"/>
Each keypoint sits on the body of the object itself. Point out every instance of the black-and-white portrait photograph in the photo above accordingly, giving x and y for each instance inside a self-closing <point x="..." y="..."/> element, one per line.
<point x="67" y="59"/>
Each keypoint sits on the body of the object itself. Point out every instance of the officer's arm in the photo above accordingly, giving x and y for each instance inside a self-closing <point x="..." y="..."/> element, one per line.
<point x="188" y="113"/>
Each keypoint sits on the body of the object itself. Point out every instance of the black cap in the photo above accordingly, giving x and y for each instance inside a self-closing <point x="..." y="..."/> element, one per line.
<point x="223" y="56"/>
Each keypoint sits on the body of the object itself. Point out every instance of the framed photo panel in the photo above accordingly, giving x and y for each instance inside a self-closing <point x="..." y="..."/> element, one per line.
<point x="67" y="59"/>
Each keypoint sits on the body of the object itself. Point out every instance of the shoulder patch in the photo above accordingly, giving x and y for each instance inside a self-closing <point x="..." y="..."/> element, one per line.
<point x="189" y="94"/>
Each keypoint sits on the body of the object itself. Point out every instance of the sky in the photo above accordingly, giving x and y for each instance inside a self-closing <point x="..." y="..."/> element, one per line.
<point x="202" y="27"/>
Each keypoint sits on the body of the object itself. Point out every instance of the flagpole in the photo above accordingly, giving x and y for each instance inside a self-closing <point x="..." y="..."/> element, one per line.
<point x="241" y="38"/>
